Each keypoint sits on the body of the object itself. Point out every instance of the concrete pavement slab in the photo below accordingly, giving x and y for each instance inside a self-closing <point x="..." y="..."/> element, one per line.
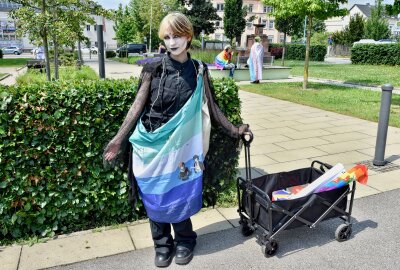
<point x="291" y="155"/>
<point x="319" y="119"/>
<point x="74" y="249"/>
<point x="285" y="131"/>
<point x="344" y="158"/>
<point x="298" y="144"/>
<point x="341" y="136"/>
<point x="313" y="126"/>
<point x="340" y="147"/>
<point x="279" y="124"/>
<point x="9" y="257"/>
<point x="385" y="181"/>
<point x="266" y="139"/>
<point x="209" y="221"/>
<point x="364" y="191"/>
<point x="141" y="235"/>
<point x="256" y="160"/>
<point x="284" y="166"/>
<point x="297" y="135"/>
<point x="230" y="214"/>
<point x="264" y="149"/>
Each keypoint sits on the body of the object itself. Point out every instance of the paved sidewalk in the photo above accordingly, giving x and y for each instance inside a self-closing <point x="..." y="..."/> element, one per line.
<point x="14" y="73"/>
<point x="288" y="136"/>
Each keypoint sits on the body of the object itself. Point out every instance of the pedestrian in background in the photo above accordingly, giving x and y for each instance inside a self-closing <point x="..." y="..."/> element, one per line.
<point x="223" y="60"/>
<point x="255" y="61"/>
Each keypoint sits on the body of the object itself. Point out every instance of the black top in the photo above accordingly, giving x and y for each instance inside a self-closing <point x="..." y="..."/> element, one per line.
<point x="172" y="85"/>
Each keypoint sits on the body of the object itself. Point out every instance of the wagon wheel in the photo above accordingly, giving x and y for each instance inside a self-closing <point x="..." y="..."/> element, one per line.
<point x="343" y="232"/>
<point x="246" y="230"/>
<point x="270" y="248"/>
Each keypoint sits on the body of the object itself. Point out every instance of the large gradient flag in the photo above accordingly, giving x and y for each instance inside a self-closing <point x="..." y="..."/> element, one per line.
<point x="168" y="163"/>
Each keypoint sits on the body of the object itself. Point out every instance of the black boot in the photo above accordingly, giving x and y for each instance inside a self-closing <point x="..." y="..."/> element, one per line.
<point x="163" y="259"/>
<point x="183" y="255"/>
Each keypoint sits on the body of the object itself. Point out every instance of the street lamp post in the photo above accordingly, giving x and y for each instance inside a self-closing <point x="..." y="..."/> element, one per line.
<point x="100" y="44"/>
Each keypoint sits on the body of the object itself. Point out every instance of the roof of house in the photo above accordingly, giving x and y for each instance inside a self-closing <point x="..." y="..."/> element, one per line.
<point x="366" y="9"/>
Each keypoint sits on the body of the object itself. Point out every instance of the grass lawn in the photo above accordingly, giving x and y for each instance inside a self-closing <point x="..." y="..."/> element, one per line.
<point x="362" y="74"/>
<point x="66" y="73"/>
<point x="17" y="62"/>
<point x="364" y="104"/>
<point x="128" y="60"/>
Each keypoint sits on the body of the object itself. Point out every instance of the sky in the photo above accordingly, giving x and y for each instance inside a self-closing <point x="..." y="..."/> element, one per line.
<point x="112" y="3"/>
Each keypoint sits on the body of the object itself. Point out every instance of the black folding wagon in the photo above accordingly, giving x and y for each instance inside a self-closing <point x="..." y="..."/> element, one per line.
<point x="267" y="218"/>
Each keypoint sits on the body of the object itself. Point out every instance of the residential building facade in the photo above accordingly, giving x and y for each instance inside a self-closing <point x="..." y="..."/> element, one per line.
<point x="256" y="9"/>
<point x="339" y="23"/>
<point x="8" y="35"/>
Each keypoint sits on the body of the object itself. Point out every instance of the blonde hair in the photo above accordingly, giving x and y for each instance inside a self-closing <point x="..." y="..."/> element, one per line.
<point x="179" y="25"/>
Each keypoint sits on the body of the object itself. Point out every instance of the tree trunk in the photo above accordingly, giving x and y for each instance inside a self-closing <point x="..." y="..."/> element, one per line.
<point x="284" y="49"/>
<point x="56" y="64"/>
<point x="305" y="78"/>
<point x="46" y="46"/>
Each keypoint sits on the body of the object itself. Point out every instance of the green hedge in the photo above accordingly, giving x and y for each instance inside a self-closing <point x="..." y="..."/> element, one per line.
<point x="52" y="136"/>
<point x="298" y="51"/>
<point x="376" y="54"/>
<point x="110" y="54"/>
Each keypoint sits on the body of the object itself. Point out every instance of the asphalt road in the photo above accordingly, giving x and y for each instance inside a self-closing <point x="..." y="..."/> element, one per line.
<point x="374" y="244"/>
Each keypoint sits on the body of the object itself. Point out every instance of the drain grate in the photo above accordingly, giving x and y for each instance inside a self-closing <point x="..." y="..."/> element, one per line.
<point x="380" y="169"/>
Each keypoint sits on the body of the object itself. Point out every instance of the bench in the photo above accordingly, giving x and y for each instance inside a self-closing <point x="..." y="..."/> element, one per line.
<point x="242" y="61"/>
<point x="37" y="63"/>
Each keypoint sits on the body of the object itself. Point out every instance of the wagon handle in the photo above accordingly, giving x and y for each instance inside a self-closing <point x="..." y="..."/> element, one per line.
<point x="247" y="137"/>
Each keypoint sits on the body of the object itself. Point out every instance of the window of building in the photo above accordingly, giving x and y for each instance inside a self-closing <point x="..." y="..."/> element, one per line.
<point x="271" y="24"/>
<point x="250" y="7"/>
<point x="265" y="22"/>
<point x="281" y="38"/>
<point x="270" y="9"/>
<point x="271" y="39"/>
<point x="220" y="7"/>
<point x="95" y="27"/>
<point x="249" y="25"/>
<point x="87" y="27"/>
<point x="265" y="9"/>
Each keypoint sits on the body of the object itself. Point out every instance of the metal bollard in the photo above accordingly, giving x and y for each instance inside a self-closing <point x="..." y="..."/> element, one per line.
<point x="386" y="99"/>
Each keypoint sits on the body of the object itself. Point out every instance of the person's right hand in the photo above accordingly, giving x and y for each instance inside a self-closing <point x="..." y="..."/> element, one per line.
<point x="111" y="151"/>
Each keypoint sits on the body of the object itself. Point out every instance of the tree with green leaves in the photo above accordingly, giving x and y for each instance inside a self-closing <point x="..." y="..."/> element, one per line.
<point x="394" y="9"/>
<point x="58" y="20"/>
<point x="202" y="14"/>
<point x="125" y="27"/>
<point x="313" y="9"/>
<point x="289" y="25"/>
<point x="234" y="19"/>
<point x="147" y="15"/>
<point x="352" y="32"/>
<point x="376" y="26"/>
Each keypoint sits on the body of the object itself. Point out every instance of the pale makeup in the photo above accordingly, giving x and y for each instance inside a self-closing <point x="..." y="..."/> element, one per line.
<point x="176" y="44"/>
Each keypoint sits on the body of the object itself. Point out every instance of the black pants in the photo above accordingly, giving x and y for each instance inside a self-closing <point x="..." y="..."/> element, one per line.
<point x="184" y="235"/>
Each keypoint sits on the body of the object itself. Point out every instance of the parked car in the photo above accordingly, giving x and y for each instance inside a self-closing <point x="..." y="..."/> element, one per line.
<point x="386" y="41"/>
<point x="87" y="50"/>
<point x="12" y="50"/>
<point x="365" y="41"/>
<point x="132" y="48"/>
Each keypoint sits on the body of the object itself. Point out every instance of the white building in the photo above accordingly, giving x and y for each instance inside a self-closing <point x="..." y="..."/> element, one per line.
<point x="8" y="36"/>
<point x="339" y="23"/>
<point x="255" y="8"/>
